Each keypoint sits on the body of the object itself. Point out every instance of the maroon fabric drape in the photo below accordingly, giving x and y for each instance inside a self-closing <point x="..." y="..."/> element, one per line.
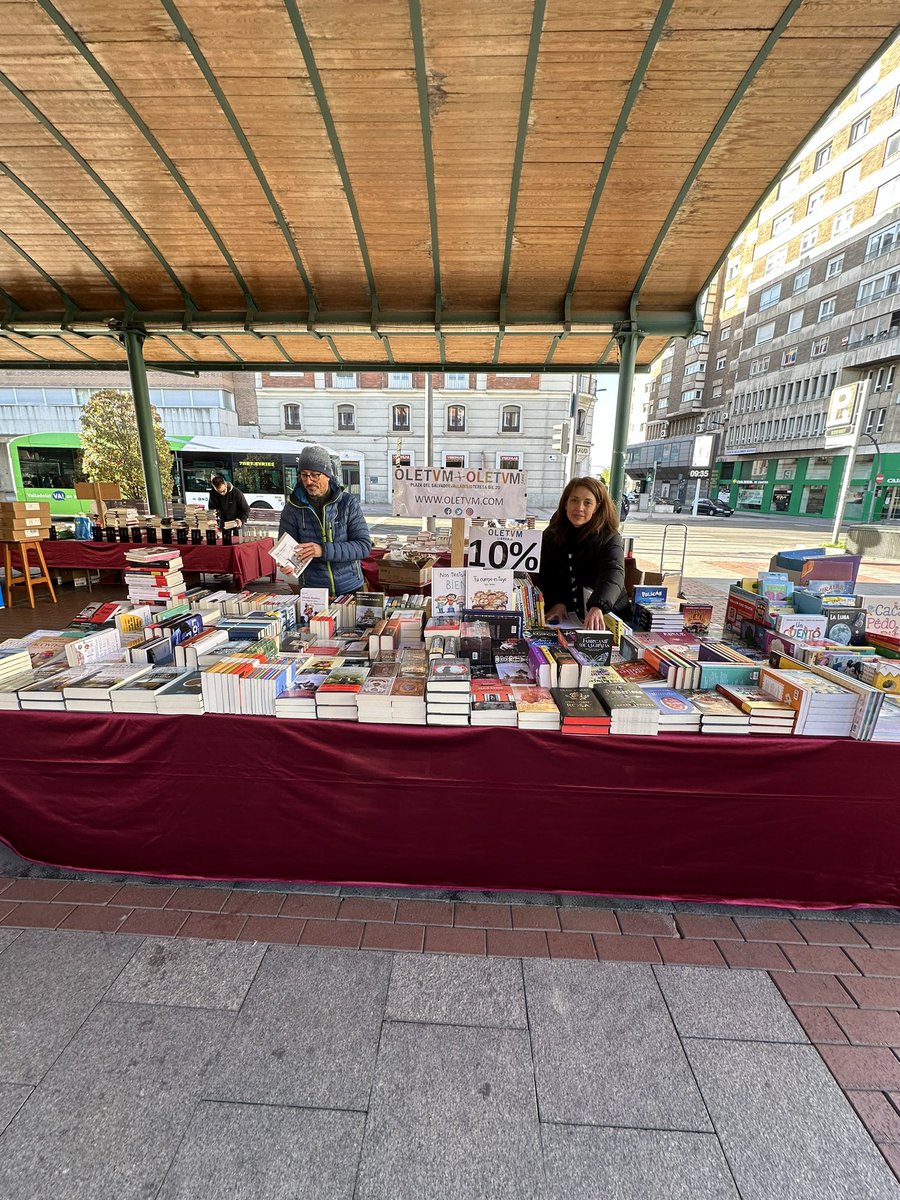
<point x="795" y="821"/>
<point x="245" y="560"/>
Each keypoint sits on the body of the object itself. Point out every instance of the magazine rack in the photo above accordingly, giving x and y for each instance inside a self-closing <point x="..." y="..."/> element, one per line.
<point x="22" y="549"/>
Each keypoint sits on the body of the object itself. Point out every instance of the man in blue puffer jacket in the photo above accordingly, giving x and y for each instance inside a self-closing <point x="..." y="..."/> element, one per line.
<point x="328" y="523"/>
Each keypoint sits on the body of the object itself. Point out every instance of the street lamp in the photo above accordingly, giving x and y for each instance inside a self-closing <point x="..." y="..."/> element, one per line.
<point x="873" y="479"/>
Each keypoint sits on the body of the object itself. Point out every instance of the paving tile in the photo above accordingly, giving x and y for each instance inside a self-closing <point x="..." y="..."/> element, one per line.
<point x="300" y="904"/>
<point x="34" y="889"/>
<point x="456" y="991"/>
<point x="820" y="1025"/>
<point x="102" y="918"/>
<point x="518" y="943"/>
<point x="140" y="895"/>
<point x="535" y="916"/>
<point x="156" y="922"/>
<point x="632" y="903"/>
<point x="605" y="1049"/>
<point x="452" y="1115"/>
<point x="223" y="926"/>
<point x="869" y="1027"/>
<point x="199" y="899"/>
<point x="88" y="893"/>
<point x="891" y="1152"/>
<point x="5" y="881"/>
<point x="12" y="1097"/>
<point x="379" y="935"/>
<point x="634" y="1164"/>
<point x="7" y="936"/>
<point x="307" y="1032"/>
<point x="785" y="1126"/>
<point x="742" y="1005"/>
<point x="344" y="934"/>
<point x="877" y="1114"/>
<point x="864" y="1067"/>
<point x="37" y="915"/>
<point x="877" y="962"/>
<point x="881" y="936"/>
<point x="876" y="916"/>
<point x="50" y="982"/>
<point x="267" y="1153"/>
<point x="483" y="916"/>
<point x="571" y="945"/>
<point x="762" y="930"/>
<point x="693" y="925"/>
<point x="257" y="904"/>
<point x="425" y="912"/>
<point x="690" y="950"/>
<point x="873" y="993"/>
<point x="626" y="949"/>
<point x="360" y="908"/>
<point x="277" y="930"/>
<point x="108" y="1117"/>
<point x="820" y="960"/>
<point x="6" y="909"/>
<point x="814" y="989"/>
<point x="764" y="956"/>
<point x="830" y="933"/>
<point x="191" y="974"/>
<point x="440" y="940"/>
<point x="647" y="924"/>
<point x="589" y="920"/>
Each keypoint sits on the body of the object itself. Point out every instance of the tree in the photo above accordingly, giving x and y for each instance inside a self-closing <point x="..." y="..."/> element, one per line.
<point x="111" y="447"/>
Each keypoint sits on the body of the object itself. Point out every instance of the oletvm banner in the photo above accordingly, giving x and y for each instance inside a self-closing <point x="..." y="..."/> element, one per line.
<point x="458" y="492"/>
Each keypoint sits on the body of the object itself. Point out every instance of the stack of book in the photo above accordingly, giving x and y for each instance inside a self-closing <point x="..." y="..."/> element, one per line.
<point x="658" y="616"/>
<point x="182" y="695"/>
<point x="829" y="710"/>
<point x="630" y="710"/>
<point x="677" y="714"/>
<point x="887" y="722"/>
<point x="13" y="664"/>
<point x="46" y="693"/>
<point x="299" y="702"/>
<point x="153" y="576"/>
<point x="336" y="695"/>
<point x="767" y="713"/>
<point x="581" y="712"/>
<point x="137" y="694"/>
<point x="408" y="700"/>
<point x="493" y="703"/>
<point x="535" y="707"/>
<point x="718" y="714"/>
<point x="447" y="694"/>
<point x="374" y="700"/>
<point x="92" y="692"/>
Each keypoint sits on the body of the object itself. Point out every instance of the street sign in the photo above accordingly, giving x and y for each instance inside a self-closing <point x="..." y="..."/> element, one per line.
<point x="879" y="479"/>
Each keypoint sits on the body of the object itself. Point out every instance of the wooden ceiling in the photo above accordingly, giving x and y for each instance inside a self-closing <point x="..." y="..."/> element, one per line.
<point x="419" y="182"/>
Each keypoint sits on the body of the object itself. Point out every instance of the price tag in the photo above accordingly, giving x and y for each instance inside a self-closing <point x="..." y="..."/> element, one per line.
<point x="505" y="549"/>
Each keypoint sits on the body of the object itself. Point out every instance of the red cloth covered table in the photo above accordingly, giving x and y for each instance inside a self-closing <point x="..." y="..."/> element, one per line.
<point x="244" y="560"/>
<point x="797" y="821"/>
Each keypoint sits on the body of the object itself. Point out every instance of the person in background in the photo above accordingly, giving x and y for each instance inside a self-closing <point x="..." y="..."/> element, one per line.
<point x="329" y="525"/>
<point x="582" y="557"/>
<point x="228" y="502"/>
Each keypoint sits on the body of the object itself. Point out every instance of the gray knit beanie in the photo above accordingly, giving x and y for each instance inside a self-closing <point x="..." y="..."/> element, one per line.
<point x="315" y="458"/>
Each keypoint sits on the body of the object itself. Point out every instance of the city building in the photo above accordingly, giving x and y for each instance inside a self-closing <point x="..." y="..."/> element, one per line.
<point x="807" y="300"/>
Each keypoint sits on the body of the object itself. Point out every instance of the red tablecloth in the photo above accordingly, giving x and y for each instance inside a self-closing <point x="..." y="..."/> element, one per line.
<point x="798" y="821"/>
<point x="245" y="560"/>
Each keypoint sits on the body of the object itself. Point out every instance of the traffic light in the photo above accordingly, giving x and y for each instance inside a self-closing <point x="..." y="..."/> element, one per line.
<point x="561" y="438"/>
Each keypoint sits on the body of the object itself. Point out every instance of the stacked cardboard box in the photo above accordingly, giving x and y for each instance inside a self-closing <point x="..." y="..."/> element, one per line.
<point x="24" y="521"/>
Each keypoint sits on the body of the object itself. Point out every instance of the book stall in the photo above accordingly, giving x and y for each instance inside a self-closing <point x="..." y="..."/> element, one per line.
<point x="450" y="737"/>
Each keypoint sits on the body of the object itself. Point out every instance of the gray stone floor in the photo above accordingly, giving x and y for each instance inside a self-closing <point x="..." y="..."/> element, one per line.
<point x="163" y="1069"/>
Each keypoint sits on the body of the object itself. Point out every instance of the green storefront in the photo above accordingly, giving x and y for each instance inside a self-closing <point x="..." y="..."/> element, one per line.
<point x="808" y="486"/>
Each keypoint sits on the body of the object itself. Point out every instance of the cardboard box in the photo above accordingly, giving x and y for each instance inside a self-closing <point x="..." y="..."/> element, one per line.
<point x="653" y="577"/>
<point x="38" y="521"/>
<point x="392" y="574"/>
<point x="8" y="534"/>
<point x="14" y="510"/>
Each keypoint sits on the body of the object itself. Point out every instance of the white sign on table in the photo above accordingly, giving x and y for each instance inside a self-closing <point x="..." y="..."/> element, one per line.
<point x="502" y="549"/>
<point x="458" y="492"/>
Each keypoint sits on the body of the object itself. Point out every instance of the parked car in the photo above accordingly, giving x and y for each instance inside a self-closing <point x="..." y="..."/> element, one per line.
<point x="706" y="507"/>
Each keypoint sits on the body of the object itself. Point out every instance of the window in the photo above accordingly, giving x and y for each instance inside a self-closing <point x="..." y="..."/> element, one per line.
<point x="888" y="194"/>
<point x="875" y="420"/>
<point x="456" y="381"/>
<point x="816" y="200"/>
<point x="819" y="347"/>
<point x="402" y="460"/>
<point x="662" y="402"/>
<point x="776" y="260"/>
<point x="789" y="183"/>
<point x="580" y="419"/>
<point x="850" y="178"/>
<point x="884" y="379"/>
<point x="695" y="367"/>
<point x="826" y="308"/>
<point x="859" y="129"/>
<point x="721" y="361"/>
<point x="733" y="267"/>
<point x="509" y="462"/>
<point x="400" y="379"/>
<point x="834" y="266"/>
<point x="728" y="301"/>
<point x="344" y="379"/>
<point x="724" y="333"/>
<point x="293" y="418"/>
<point x="808" y="240"/>
<point x="868" y="79"/>
<point x="892" y="148"/>
<point x="759" y="366"/>
<point x="346" y="417"/>
<point x="801" y="281"/>
<point x="884" y="240"/>
<point x="795" y="320"/>
<point x="666" y="378"/>
<point x="400" y="418"/>
<point x="789" y="357"/>
<point x="765" y="333"/>
<point x="823" y="154"/>
<point x="456" y="418"/>
<point x="770" y="295"/>
<point x="878" y="286"/>
<point x="511" y="419"/>
<point x="455" y="460"/>
<point x="842" y="222"/>
<point x="889" y="378"/>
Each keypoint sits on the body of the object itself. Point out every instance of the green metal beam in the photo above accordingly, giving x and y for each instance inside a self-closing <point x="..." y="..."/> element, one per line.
<point x="123" y="211"/>
<point x="534" y="45"/>
<point x="386" y="342"/>
<point x="178" y="350"/>
<point x="137" y="371"/>
<point x="498" y="341"/>
<point x="69" y="301"/>
<point x="34" y="354"/>
<point x="418" y="40"/>
<point x="215" y="87"/>
<point x="559" y="337"/>
<point x="749" y="75"/>
<point x="228" y="350"/>
<point x="603" y="357"/>
<point x="628" y="347"/>
<point x="618" y="133"/>
<point x="72" y="37"/>
<point x="315" y="80"/>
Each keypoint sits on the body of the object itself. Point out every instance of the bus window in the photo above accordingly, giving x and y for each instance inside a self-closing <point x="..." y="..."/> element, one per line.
<point x="49" y="467"/>
<point x="200" y="468"/>
<point x="259" y="476"/>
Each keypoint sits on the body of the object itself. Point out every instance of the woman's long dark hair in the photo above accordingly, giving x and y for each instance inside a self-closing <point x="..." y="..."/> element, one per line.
<point x="604" y="522"/>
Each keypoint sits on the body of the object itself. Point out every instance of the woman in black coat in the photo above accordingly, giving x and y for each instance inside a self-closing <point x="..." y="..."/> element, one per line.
<point x="582" y="556"/>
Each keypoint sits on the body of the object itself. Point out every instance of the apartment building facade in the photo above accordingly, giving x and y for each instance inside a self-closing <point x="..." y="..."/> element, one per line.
<point x="807" y="300"/>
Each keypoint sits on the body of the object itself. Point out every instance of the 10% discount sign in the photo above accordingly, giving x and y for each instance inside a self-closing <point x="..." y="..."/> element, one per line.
<point x="504" y="549"/>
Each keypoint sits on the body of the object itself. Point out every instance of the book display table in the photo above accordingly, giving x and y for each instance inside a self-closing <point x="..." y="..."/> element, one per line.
<point x="793" y="821"/>
<point x="245" y="560"/>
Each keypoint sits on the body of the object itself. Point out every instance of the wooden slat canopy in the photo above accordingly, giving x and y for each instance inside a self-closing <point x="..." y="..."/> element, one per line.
<point x="366" y="182"/>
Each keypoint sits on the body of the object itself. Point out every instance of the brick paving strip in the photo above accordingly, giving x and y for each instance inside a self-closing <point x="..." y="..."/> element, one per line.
<point x="840" y="978"/>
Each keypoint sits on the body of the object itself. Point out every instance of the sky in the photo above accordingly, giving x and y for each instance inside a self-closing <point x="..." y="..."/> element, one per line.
<point x="604" y="421"/>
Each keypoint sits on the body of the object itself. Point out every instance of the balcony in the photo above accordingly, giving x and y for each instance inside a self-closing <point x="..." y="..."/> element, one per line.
<point x="872" y="348"/>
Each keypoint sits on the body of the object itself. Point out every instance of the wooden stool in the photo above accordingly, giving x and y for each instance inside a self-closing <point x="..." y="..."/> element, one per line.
<point x="23" y="548"/>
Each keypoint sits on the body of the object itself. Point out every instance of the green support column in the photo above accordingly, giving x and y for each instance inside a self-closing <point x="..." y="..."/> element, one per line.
<point x="628" y="348"/>
<point x="134" y="349"/>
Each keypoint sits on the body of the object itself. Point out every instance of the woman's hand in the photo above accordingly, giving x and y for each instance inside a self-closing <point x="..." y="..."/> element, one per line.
<point x="556" y="613"/>
<point x="307" y="550"/>
<point x="594" y="619"/>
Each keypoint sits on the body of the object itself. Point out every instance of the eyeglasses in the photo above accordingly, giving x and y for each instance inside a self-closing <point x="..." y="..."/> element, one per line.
<point x="311" y="474"/>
